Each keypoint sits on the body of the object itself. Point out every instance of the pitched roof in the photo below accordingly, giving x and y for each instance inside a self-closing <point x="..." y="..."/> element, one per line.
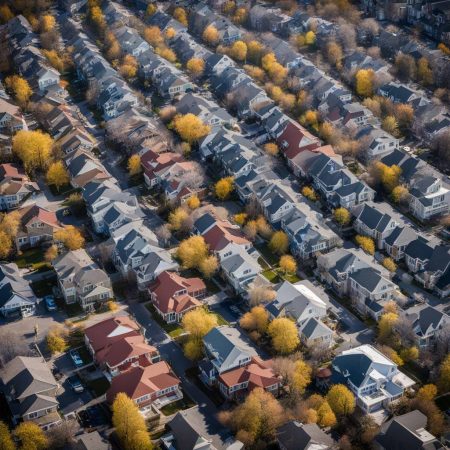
<point x="222" y="234"/>
<point x="297" y="436"/>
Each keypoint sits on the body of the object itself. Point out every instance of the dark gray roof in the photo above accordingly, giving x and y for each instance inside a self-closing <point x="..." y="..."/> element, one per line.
<point x="427" y="317"/>
<point x="401" y="236"/>
<point x="357" y="365"/>
<point x="419" y="249"/>
<point x="91" y="441"/>
<point x="314" y="329"/>
<point x="368" y="278"/>
<point x="297" y="436"/>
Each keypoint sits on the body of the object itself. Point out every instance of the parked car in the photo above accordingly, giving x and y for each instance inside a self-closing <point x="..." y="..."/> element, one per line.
<point x="75" y="384"/>
<point x="76" y="358"/>
<point x="50" y="303"/>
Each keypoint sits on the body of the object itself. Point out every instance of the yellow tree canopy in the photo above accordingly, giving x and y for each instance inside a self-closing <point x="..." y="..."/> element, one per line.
<point x="20" y="88"/>
<point x="199" y="322"/>
<point x="134" y="165"/>
<point x="366" y="243"/>
<point x="31" y="436"/>
<point x="284" y="335"/>
<point x="238" y="51"/>
<point x="153" y="36"/>
<point x="256" y="319"/>
<point x="288" y="264"/>
<point x="190" y="127"/>
<point x="224" y="187"/>
<point x="192" y="251"/>
<point x="342" y="216"/>
<point x="5" y="245"/>
<point x="211" y="35"/>
<point x="70" y="237"/>
<point x="57" y="175"/>
<point x="209" y="266"/>
<point x="196" y="66"/>
<point x="180" y="15"/>
<point x="47" y="23"/>
<point x="279" y="242"/>
<point x="341" y="400"/>
<point x="365" y="82"/>
<point x="33" y="148"/>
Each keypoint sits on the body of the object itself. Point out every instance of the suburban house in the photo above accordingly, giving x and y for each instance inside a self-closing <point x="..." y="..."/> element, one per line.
<point x="314" y="333"/>
<point x="155" y="163"/>
<point x="16" y="295"/>
<point x="81" y="280"/>
<point x="295" y="435"/>
<point x="15" y="186"/>
<point x="37" y="227"/>
<point x="11" y="119"/>
<point x="395" y="244"/>
<point x="173" y="295"/>
<point x="84" y="168"/>
<point x="226" y="349"/>
<point x="376" y="142"/>
<point x="426" y="322"/>
<point x="152" y="386"/>
<point x="372" y="377"/>
<point x="117" y="344"/>
<point x="30" y="390"/>
<point x="406" y="431"/>
<point x="293" y="138"/>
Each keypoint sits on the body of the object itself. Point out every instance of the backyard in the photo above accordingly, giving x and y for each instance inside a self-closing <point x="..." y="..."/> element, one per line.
<point x="33" y="258"/>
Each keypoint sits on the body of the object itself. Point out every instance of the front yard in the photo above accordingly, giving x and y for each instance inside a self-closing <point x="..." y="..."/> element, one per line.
<point x="33" y="258"/>
<point x="185" y="403"/>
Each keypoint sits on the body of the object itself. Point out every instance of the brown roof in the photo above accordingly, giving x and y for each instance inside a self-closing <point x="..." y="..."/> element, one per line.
<point x="35" y="212"/>
<point x="94" y="174"/>
<point x="153" y="162"/>
<point x="174" y="293"/>
<point x="12" y="170"/>
<point x="222" y="234"/>
<point x="140" y="381"/>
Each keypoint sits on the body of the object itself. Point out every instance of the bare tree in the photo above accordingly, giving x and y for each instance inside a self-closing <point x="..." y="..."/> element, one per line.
<point x="92" y="93"/>
<point x="404" y="329"/>
<point x="253" y="208"/>
<point x="371" y="29"/>
<point x="261" y="294"/>
<point x="12" y="345"/>
<point x="163" y="234"/>
<point x="62" y="435"/>
<point x="195" y="177"/>
<point x="442" y="339"/>
<point x="347" y="36"/>
<point x="374" y="52"/>
<point x="318" y="353"/>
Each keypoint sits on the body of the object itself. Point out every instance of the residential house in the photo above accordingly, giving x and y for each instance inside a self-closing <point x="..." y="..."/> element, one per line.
<point x="395" y="244"/>
<point x="406" y="431"/>
<point x="16" y="295"/>
<point x="131" y="42"/>
<point x="91" y="441"/>
<point x="373" y="378"/>
<point x="376" y="142"/>
<point x="398" y="93"/>
<point x="155" y="384"/>
<point x="81" y="280"/>
<point x="15" y="186"/>
<point x="30" y="390"/>
<point x="417" y="254"/>
<point x="295" y="435"/>
<point x="294" y="138"/>
<point x="84" y="168"/>
<point x="314" y="333"/>
<point x="37" y="226"/>
<point x="154" y="164"/>
<point x="226" y="349"/>
<point x="11" y="119"/>
<point x="173" y="295"/>
<point x="76" y="139"/>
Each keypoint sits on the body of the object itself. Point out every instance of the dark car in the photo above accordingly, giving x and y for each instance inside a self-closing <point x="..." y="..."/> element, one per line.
<point x="75" y="384"/>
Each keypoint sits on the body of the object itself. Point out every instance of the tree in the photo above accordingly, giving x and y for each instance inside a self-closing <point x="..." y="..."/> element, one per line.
<point x="179" y="220"/>
<point x="288" y="264"/>
<point x="251" y="229"/>
<point x="309" y="193"/>
<point x="444" y="376"/>
<point x="5" y="245"/>
<point x="238" y="51"/>
<point x="129" y="424"/>
<point x="274" y="69"/>
<point x="153" y="36"/>
<point x="197" y="323"/>
<point x="279" y="243"/>
<point x="366" y="243"/>
<point x="10" y="222"/>
<point x="31" y="436"/>
<point x="264" y="229"/>
<point x="365" y="82"/>
<point x="211" y="35"/>
<point x="389" y="264"/>
<point x="224" y="187"/>
<point x="386" y="325"/>
<point x="390" y="125"/>
<point x="5" y="14"/>
<point x="310" y="38"/>
<point x="62" y="435"/>
<point x="57" y="175"/>
<point x="190" y="128"/>
<point x="261" y="294"/>
<point x="427" y="392"/>
<point x="195" y="66"/>
<point x="6" y="440"/>
<point x="342" y="216"/>
<point x="406" y="67"/>
<point x="193" y="349"/>
<point x="391" y="354"/>
<point x="192" y="251"/>
<point x="209" y="266"/>
<point x="240" y="218"/>
<point x="193" y="202"/>
<point x="180" y="15"/>
<point x="334" y="54"/>
<point x="70" y="237"/>
<point x="134" y="165"/>
<point x="240" y="16"/>
<point x="404" y="115"/>
<point x="409" y="354"/>
<point x="388" y="176"/>
<point x="33" y="148"/>
<point x="284" y="335"/>
<point x="128" y="68"/>
<point x="301" y="377"/>
<point x="170" y="33"/>
<point x="399" y="194"/>
<point x="256" y="319"/>
<point x="325" y="415"/>
<point x="56" y="340"/>
<point x="341" y="400"/>
<point x="255" y="419"/>
<point x="151" y="9"/>
<point x="254" y="52"/>
<point x="20" y="89"/>
<point x="54" y="59"/>
<point x="424" y="72"/>
<point x="47" y="23"/>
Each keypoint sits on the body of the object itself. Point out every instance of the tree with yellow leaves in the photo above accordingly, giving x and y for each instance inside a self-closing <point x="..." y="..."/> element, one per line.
<point x="444" y="376"/>
<point x="179" y="220"/>
<point x="134" y="165"/>
<point x="57" y="175"/>
<point x="399" y="194"/>
<point x="341" y="400"/>
<point x="365" y="82"/>
<point x="342" y="216"/>
<point x="409" y="354"/>
<point x="389" y="264"/>
<point x="263" y="227"/>
<point x="251" y="229"/>
<point x="366" y="243"/>
<point x="153" y="36"/>
<point x="257" y="319"/>
<point x="238" y="51"/>
<point x="190" y="127"/>
<point x="240" y="16"/>
<point x="209" y="266"/>
<point x="54" y="59"/>
<point x="288" y="264"/>
<point x="224" y="187"/>
<point x="51" y="253"/>
<point x="310" y="38"/>
<point x="10" y="223"/>
<point x="192" y="251"/>
<point x="301" y="377"/>
<point x="309" y="193"/>
<point x="180" y="15"/>
<point x="424" y="72"/>
<point x="211" y="35"/>
<point x="386" y="326"/>
<point x="20" y="89"/>
<point x="390" y="125"/>
<point x="151" y="9"/>
<point x="70" y="237"/>
<point x="128" y="68"/>
<point x="129" y="424"/>
<point x="195" y="66"/>
<point x="166" y="53"/>
<point x="5" y="245"/>
<point x="98" y="19"/>
<point x="57" y="340"/>
<point x="33" y="148"/>
<point x="46" y="23"/>
<point x="254" y="52"/>
<point x="274" y="69"/>
<point x="325" y="415"/>
<point x="255" y="72"/>
<point x="311" y="119"/>
<point x="229" y="7"/>
<point x="193" y="202"/>
<point x="30" y="436"/>
<point x="284" y="335"/>
<point x="271" y="148"/>
<point x="5" y="13"/>
<point x="279" y="242"/>
<point x="388" y="176"/>
<point x="170" y="33"/>
<point x="390" y="353"/>
<point x="427" y="392"/>
<point x="6" y="440"/>
<point x="240" y="218"/>
<point x="444" y="49"/>
<point x="334" y="54"/>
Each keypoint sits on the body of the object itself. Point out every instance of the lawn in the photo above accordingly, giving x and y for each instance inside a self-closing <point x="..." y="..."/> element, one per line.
<point x="185" y="403"/>
<point x="267" y="254"/>
<point x="172" y="329"/>
<point x="98" y="386"/>
<point x="33" y="258"/>
<point x="271" y="275"/>
<point x="275" y="276"/>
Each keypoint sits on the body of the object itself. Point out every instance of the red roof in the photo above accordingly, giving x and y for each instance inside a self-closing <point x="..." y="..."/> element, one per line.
<point x="11" y="170"/>
<point x="295" y="138"/>
<point x="222" y="234"/>
<point x="154" y="162"/>
<point x="30" y="213"/>
<point x="139" y="381"/>
<point x="173" y="293"/>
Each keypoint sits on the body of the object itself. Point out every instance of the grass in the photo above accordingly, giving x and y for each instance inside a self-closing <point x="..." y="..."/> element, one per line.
<point x="98" y="386"/>
<point x="33" y="258"/>
<point x="275" y="276"/>
<point x="271" y="275"/>
<point x="267" y="254"/>
<point x="172" y="329"/>
<point x="185" y="403"/>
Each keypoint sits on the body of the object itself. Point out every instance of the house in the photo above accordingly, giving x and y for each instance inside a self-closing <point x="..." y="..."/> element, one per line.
<point x="81" y="280"/>
<point x="376" y="142"/>
<point x="185" y="433"/>
<point x="294" y="435"/>
<point x="226" y="349"/>
<point x="373" y="378"/>
<point x="235" y="384"/>
<point x="426" y="322"/>
<point x="314" y="333"/>
<point x="15" y="186"/>
<point x="91" y="441"/>
<point x="407" y="431"/>
<point x="417" y="254"/>
<point x="372" y="221"/>
<point x="154" y="164"/>
<point x="398" y="93"/>
<point x="294" y="138"/>
<point x="76" y="139"/>
<point x="30" y="390"/>
<point x="131" y="42"/>
<point x="84" y="168"/>
<point x="16" y="295"/>
<point x="173" y="295"/>
<point x="11" y="119"/>
<point x="395" y="244"/>
<point x="155" y="385"/>
<point x="37" y="226"/>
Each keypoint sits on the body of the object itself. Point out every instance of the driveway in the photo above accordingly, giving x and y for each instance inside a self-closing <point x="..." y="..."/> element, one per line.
<point x="173" y="354"/>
